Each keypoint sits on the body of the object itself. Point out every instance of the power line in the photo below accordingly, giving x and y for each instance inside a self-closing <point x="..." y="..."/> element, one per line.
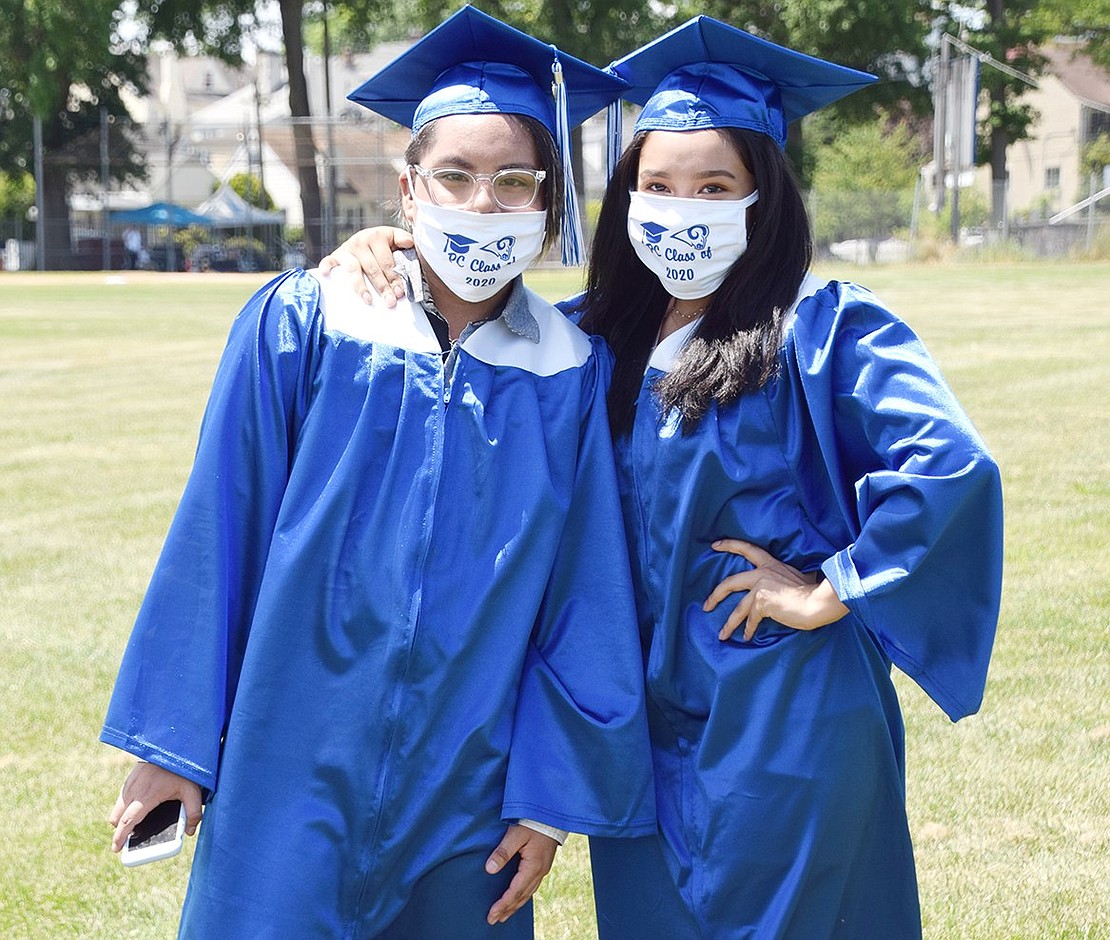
<point x="987" y="59"/>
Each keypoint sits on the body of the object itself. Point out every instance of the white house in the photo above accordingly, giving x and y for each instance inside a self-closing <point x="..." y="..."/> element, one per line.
<point x="1073" y="103"/>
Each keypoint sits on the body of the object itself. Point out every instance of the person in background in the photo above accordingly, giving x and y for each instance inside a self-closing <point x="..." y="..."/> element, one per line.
<point x="132" y="248"/>
<point x="391" y="638"/>
<point x="788" y="442"/>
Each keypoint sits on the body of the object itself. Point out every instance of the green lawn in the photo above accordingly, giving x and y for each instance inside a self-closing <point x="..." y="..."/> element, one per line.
<point x="103" y="381"/>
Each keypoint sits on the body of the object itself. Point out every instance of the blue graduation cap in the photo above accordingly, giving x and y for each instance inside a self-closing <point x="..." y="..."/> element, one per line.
<point x="459" y="244"/>
<point x="707" y="74"/>
<point x="474" y="64"/>
<point x="653" y="232"/>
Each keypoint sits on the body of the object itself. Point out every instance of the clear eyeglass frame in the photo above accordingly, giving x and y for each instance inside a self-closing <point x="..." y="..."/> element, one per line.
<point x="454" y="187"/>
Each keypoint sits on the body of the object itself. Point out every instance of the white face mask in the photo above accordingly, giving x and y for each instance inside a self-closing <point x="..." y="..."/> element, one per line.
<point x="689" y="244"/>
<point x="476" y="254"/>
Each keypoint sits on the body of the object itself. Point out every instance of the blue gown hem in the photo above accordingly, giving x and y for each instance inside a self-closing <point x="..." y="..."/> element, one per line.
<point x="589" y="826"/>
<point x="164" y="759"/>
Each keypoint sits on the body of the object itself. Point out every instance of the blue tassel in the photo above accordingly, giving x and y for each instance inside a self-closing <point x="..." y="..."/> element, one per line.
<point x="571" y="236"/>
<point x="614" y="131"/>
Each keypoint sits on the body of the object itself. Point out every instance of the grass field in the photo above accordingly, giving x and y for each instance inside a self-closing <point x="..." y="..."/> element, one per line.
<point x="103" y="381"/>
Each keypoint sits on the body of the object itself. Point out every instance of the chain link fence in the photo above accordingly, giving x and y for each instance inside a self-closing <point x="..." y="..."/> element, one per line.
<point x="356" y="159"/>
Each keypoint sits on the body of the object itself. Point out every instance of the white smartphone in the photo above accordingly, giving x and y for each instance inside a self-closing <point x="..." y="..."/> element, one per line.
<point x="159" y="835"/>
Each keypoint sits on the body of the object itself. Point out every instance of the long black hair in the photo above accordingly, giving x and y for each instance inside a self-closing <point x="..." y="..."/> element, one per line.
<point x="735" y="346"/>
<point x="550" y="162"/>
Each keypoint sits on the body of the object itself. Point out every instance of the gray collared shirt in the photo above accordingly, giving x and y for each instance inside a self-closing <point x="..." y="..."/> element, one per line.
<point x="515" y="313"/>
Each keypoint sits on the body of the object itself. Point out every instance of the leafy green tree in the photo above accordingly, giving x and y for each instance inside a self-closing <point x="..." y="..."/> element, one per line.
<point x="864" y="183"/>
<point x="250" y="188"/>
<point x="885" y="37"/>
<point x="17" y="194"/>
<point x="1094" y="162"/>
<point x="62" y="61"/>
<point x="1096" y="155"/>
<point x="1083" y="19"/>
<point x="221" y="27"/>
<point x="351" y="27"/>
<point x="1009" y="32"/>
<point x="596" y="31"/>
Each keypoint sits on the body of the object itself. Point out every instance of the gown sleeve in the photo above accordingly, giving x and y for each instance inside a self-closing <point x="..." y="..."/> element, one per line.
<point x="580" y="757"/>
<point x="916" y="487"/>
<point x="179" y="672"/>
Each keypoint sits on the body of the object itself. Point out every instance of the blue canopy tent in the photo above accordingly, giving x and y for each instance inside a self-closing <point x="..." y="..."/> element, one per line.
<point x="159" y="213"/>
<point x="162" y="257"/>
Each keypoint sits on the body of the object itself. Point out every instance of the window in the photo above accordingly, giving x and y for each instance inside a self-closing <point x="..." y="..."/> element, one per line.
<point x="1051" y="177"/>
<point x="1095" y="123"/>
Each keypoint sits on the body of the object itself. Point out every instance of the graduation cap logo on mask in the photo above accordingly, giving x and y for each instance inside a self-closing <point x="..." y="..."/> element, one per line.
<point x="653" y="232"/>
<point x="707" y="74"/>
<point x="458" y="244"/>
<point x="473" y="63"/>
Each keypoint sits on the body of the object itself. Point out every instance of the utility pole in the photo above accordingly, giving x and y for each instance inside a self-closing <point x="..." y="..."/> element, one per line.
<point x="940" y="97"/>
<point x="955" y="117"/>
<point x="330" y="224"/>
<point x="40" y="202"/>
<point x="171" y="249"/>
<point x="105" y="241"/>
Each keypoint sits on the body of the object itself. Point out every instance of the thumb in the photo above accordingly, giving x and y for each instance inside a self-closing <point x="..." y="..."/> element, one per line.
<point x="509" y="845"/>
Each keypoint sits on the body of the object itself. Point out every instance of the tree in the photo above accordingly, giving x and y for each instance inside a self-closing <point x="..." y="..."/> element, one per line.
<point x="1094" y="162"/>
<point x="1008" y="32"/>
<point x="864" y="183"/>
<point x="62" y="63"/>
<point x="1082" y="19"/>
<point x="17" y="194"/>
<point x="221" y="27"/>
<point x="249" y="187"/>
<point x="353" y="28"/>
<point x="885" y="37"/>
<point x="596" y="31"/>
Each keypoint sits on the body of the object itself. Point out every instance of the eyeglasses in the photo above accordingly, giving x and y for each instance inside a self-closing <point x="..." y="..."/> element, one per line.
<point x="514" y="188"/>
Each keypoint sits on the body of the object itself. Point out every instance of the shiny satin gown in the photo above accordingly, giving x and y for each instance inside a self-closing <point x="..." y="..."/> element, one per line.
<point x="780" y="762"/>
<point x="392" y="613"/>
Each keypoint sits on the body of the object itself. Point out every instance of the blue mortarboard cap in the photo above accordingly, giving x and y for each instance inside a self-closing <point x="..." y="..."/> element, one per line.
<point x="471" y="64"/>
<point x="474" y="64"/>
<point x="706" y="74"/>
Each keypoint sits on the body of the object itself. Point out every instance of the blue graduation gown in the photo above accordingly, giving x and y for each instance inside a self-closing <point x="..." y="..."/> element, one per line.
<point x="779" y="762"/>
<point x="391" y="612"/>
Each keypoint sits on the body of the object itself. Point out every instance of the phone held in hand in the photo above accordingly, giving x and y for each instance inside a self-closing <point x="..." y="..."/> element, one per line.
<point x="159" y="835"/>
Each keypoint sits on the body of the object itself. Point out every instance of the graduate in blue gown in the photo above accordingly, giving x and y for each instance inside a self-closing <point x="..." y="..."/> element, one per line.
<point x="790" y="442"/>
<point x="391" y="634"/>
<point x="787" y="444"/>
